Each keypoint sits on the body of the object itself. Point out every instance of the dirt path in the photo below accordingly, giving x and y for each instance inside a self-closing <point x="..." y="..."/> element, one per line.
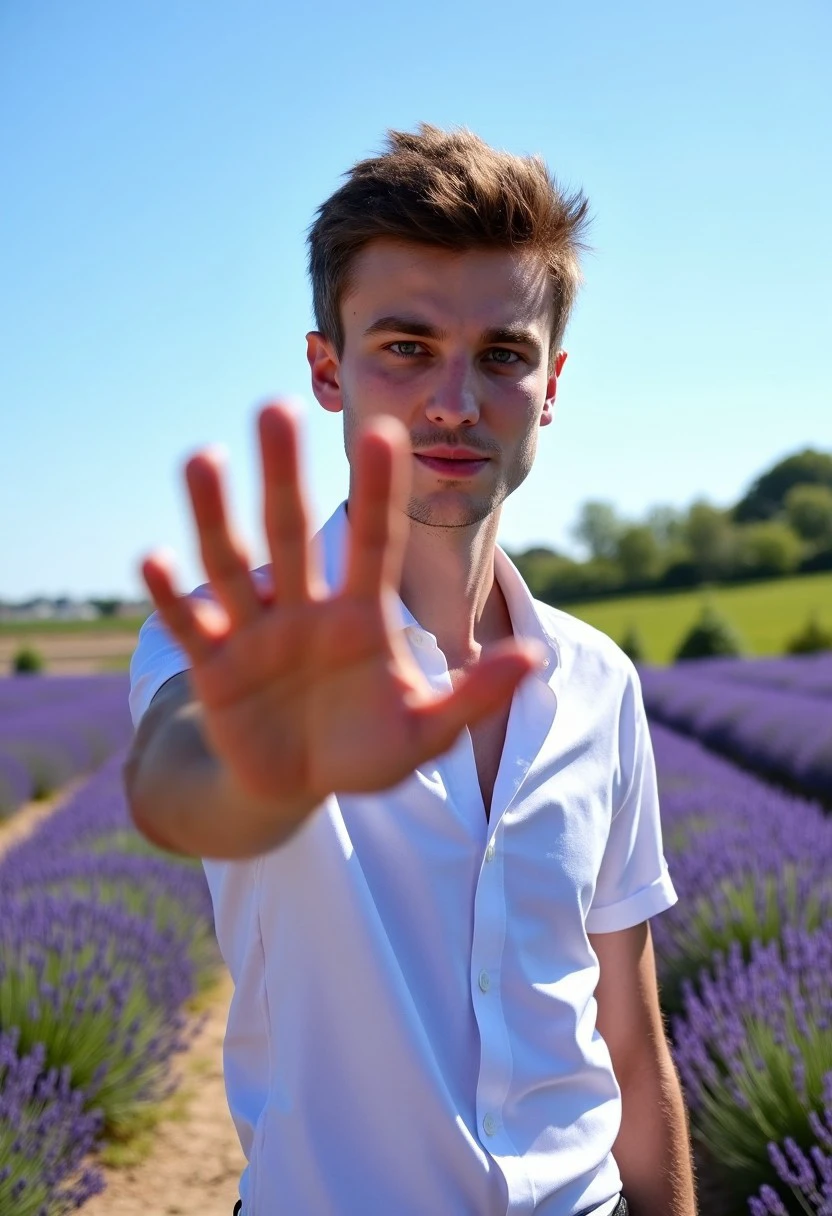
<point x="196" y="1161"/>
<point x="22" y="821"/>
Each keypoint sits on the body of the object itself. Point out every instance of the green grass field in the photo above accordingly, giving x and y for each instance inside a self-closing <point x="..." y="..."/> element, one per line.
<point x="103" y="624"/>
<point x="766" y="615"/>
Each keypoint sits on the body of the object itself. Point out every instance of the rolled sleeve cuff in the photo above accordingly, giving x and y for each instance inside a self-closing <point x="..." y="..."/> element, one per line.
<point x="640" y="906"/>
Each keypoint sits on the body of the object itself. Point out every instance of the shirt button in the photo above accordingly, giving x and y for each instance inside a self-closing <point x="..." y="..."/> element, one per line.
<point x="489" y="852"/>
<point x="489" y="1125"/>
<point x="484" y="981"/>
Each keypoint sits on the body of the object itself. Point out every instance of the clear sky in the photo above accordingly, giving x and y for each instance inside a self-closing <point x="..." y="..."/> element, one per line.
<point x="162" y="161"/>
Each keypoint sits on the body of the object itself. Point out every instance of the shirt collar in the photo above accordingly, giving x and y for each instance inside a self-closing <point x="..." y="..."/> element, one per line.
<point x="525" y="618"/>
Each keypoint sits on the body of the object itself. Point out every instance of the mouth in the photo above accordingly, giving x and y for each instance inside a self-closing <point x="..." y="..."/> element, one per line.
<point x="450" y="467"/>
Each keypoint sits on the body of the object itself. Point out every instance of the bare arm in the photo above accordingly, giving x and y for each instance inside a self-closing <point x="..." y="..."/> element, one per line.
<point x="181" y="798"/>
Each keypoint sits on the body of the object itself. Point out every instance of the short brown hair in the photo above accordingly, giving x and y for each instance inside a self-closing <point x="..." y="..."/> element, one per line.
<point x="449" y="189"/>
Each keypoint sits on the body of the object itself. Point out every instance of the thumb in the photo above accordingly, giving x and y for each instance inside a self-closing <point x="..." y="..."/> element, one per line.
<point x="488" y="687"/>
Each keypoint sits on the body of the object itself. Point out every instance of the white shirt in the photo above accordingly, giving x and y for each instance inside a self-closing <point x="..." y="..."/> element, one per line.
<point x="413" y="1029"/>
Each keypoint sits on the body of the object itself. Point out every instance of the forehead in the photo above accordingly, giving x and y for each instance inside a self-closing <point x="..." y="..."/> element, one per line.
<point x="488" y="288"/>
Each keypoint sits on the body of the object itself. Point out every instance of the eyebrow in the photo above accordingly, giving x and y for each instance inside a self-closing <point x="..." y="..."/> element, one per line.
<point x="421" y="329"/>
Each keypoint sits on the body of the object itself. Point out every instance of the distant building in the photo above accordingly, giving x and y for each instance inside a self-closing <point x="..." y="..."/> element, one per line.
<point x="65" y="609"/>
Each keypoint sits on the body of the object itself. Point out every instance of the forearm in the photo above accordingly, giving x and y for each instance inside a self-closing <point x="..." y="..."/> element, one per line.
<point x="184" y="800"/>
<point x="653" y="1151"/>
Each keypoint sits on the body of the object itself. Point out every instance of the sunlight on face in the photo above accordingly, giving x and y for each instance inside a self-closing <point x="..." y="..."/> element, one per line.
<point x="456" y="346"/>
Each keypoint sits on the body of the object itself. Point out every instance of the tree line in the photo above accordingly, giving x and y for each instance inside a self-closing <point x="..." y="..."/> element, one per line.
<point x="782" y="525"/>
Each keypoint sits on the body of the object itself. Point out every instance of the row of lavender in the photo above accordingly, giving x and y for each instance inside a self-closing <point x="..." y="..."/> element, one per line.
<point x="773" y="716"/>
<point x="103" y="941"/>
<point x="745" y="973"/>
<point x="807" y="674"/>
<point x="53" y="728"/>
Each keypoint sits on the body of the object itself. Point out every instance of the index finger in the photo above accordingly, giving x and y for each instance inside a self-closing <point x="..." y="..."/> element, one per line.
<point x="378" y="522"/>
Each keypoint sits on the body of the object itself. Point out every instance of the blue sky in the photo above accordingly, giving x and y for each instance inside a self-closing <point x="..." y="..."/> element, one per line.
<point x="163" y="160"/>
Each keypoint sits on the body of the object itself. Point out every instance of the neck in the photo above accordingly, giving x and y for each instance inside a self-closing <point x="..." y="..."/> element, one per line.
<point x="448" y="584"/>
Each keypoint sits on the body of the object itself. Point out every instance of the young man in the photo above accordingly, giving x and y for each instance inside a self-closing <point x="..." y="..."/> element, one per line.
<point x="425" y="802"/>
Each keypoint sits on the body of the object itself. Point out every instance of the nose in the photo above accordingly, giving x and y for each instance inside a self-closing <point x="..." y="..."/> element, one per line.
<point x="454" y="400"/>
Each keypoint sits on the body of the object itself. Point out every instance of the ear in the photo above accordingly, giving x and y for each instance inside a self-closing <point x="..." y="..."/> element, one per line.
<point x="325" y="368"/>
<point x="548" y="414"/>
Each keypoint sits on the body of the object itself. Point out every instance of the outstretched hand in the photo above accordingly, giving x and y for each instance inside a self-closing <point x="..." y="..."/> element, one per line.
<point x="307" y="691"/>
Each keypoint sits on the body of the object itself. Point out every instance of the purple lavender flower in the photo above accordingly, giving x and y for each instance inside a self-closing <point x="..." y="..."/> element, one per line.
<point x="784" y="734"/>
<point x="808" y="1177"/>
<point x="746" y="860"/>
<point x="753" y="1047"/>
<point x="130" y="982"/>
<point x="59" y="726"/>
<point x="45" y="1134"/>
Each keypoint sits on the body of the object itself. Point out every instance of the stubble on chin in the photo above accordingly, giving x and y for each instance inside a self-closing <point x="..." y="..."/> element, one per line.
<point x="463" y="513"/>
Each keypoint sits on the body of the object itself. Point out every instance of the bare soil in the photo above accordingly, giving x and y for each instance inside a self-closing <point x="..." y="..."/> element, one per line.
<point x="72" y="653"/>
<point x="195" y="1162"/>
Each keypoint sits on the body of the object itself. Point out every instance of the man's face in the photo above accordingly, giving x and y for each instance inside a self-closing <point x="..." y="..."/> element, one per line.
<point x="456" y="346"/>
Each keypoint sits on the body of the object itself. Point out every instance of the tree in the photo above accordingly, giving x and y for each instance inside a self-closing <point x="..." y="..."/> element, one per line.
<point x="106" y="607"/>
<point x="769" y="549"/>
<point x="766" y="497"/>
<point x="712" y="635"/>
<point x="633" y="644"/>
<point x="710" y="536"/>
<point x="667" y="525"/>
<point x="539" y="567"/>
<point x="809" y="511"/>
<point x="637" y="552"/>
<point x="598" y="527"/>
<point x="812" y="638"/>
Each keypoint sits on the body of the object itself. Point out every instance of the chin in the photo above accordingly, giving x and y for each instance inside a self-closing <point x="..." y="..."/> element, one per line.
<point x="462" y="513"/>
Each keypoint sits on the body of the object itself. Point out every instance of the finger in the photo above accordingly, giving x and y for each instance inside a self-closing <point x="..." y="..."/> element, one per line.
<point x="489" y="686"/>
<point x="225" y="560"/>
<point x="285" y="515"/>
<point x="185" y="618"/>
<point x="378" y="520"/>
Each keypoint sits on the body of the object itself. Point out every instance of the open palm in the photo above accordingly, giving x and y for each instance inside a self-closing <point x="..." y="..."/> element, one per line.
<point x="304" y="690"/>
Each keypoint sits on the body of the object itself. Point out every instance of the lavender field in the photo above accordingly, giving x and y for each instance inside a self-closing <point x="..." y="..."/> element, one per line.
<point x="104" y="940"/>
<point x="53" y="728"/>
<point x="773" y="716"/>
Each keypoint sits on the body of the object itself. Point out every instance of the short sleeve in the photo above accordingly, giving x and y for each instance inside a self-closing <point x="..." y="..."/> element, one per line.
<point x="155" y="660"/>
<point x="633" y="880"/>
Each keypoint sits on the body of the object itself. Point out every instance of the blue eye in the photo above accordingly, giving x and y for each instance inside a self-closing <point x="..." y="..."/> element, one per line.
<point x="405" y="348"/>
<point x="500" y="355"/>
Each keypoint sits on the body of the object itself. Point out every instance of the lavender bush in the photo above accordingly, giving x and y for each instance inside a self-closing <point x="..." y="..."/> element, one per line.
<point x="785" y="736"/>
<point x="754" y="1050"/>
<point x="809" y="1178"/>
<point x="60" y="726"/>
<point x="809" y="674"/>
<point x="45" y="1134"/>
<point x="101" y="989"/>
<point x="16" y="784"/>
<point x="173" y="899"/>
<point x="103" y="940"/>
<point x="747" y="860"/>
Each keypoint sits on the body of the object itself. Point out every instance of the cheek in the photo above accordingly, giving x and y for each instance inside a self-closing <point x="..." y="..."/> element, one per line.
<point x="376" y="388"/>
<point x="527" y="402"/>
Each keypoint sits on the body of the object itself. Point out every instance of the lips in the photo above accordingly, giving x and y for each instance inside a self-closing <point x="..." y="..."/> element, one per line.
<point x="452" y="466"/>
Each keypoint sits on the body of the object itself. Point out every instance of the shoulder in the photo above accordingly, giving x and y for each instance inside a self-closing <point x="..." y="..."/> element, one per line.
<point x="586" y="653"/>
